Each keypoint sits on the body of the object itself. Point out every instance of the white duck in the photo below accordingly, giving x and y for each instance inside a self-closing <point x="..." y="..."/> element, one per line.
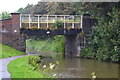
<point x="93" y="75"/>
<point x="52" y="66"/>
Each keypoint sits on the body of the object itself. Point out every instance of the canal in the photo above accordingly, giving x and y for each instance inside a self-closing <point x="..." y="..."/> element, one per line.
<point x="81" y="68"/>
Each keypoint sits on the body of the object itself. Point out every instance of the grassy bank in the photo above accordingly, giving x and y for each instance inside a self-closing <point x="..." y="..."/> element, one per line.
<point x="46" y="45"/>
<point x="7" y="51"/>
<point x="19" y="68"/>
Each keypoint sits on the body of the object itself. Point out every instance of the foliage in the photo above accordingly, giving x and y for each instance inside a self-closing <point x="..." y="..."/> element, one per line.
<point x="4" y="15"/>
<point x="8" y="51"/>
<point x="87" y="53"/>
<point x="75" y="8"/>
<point x="102" y="54"/>
<point x="21" y="10"/>
<point x="58" y="24"/>
<point x="27" y="9"/>
<point x="19" y="68"/>
<point x="105" y="39"/>
<point x="34" y="60"/>
<point x="83" y="53"/>
<point x="59" y="44"/>
<point x="46" y="44"/>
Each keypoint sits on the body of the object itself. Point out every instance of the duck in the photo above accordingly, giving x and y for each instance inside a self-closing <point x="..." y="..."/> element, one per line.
<point x="52" y="66"/>
<point x="93" y="75"/>
<point x="44" y="66"/>
<point x="54" y="74"/>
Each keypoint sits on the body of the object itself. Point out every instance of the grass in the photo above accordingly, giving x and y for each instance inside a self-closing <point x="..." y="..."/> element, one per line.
<point x="48" y="47"/>
<point x="19" y="68"/>
<point x="8" y="51"/>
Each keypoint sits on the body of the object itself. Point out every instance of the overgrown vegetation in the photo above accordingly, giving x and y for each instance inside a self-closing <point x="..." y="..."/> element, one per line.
<point x="20" y="68"/>
<point x="104" y="41"/>
<point x="34" y="61"/>
<point x="45" y="68"/>
<point x="7" y="51"/>
<point x="47" y="44"/>
<point x="4" y="15"/>
<point x="58" y="24"/>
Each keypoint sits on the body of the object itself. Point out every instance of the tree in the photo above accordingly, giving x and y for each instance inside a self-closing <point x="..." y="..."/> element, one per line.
<point x="104" y="40"/>
<point x="4" y="15"/>
<point x="21" y="10"/>
<point x="40" y="8"/>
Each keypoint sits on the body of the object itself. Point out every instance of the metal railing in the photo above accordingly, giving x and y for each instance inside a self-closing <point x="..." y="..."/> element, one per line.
<point x="39" y="21"/>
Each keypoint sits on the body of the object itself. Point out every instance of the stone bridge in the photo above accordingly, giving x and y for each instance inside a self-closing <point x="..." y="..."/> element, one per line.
<point x="14" y="29"/>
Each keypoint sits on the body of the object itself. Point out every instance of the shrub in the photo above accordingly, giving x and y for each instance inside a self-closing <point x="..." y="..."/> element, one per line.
<point x="58" y="24"/>
<point x="115" y="58"/>
<point x="83" y="53"/>
<point x="104" y="39"/>
<point x="87" y="53"/>
<point x="34" y="60"/>
<point x="59" y="44"/>
<point x="103" y="54"/>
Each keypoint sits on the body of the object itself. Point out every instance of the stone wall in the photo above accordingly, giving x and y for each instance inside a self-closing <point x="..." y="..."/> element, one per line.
<point x="9" y="29"/>
<point x="87" y="25"/>
<point x="71" y="46"/>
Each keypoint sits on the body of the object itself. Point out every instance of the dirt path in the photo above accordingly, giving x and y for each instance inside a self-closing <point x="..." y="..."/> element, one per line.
<point x="3" y="66"/>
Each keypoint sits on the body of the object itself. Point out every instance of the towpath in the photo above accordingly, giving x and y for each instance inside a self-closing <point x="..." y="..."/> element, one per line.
<point x="3" y="66"/>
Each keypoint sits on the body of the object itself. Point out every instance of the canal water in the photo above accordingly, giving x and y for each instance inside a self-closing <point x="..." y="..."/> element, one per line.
<point x="81" y="68"/>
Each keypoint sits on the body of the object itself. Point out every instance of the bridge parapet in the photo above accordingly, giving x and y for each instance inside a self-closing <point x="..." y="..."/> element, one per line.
<point x="55" y="24"/>
<point x="50" y="21"/>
